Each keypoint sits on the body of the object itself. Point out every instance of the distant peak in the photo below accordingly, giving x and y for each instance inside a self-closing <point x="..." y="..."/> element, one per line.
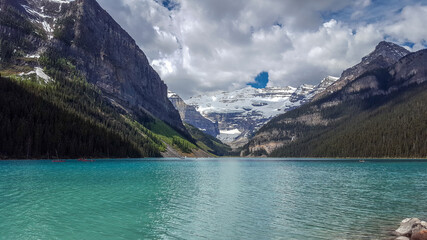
<point x="330" y="78"/>
<point x="385" y="44"/>
<point x="387" y="50"/>
<point x="389" y="46"/>
<point x="172" y="94"/>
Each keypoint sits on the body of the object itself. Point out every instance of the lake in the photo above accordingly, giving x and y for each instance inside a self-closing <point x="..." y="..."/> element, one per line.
<point x="209" y="199"/>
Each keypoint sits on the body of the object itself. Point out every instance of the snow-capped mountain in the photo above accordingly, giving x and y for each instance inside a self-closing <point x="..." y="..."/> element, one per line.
<point x="239" y="113"/>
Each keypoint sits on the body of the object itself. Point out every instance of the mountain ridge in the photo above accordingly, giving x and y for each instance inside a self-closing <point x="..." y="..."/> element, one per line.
<point x="337" y="116"/>
<point x="385" y="54"/>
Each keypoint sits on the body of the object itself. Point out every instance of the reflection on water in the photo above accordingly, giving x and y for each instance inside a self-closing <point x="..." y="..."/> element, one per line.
<point x="208" y="199"/>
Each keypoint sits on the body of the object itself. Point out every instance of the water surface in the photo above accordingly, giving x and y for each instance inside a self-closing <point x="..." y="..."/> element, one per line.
<point x="226" y="199"/>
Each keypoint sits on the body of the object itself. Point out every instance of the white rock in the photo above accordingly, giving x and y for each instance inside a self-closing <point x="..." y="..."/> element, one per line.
<point x="406" y="226"/>
<point x="403" y="238"/>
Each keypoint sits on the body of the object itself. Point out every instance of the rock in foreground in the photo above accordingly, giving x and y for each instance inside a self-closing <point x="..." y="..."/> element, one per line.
<point x="412" y="229"/>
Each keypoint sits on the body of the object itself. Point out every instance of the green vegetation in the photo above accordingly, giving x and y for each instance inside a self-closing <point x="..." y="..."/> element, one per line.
<point x="67" y="117"/>
<point x="70" y="118"/>
<point x="392" y="126"/>
<point x="106" y="131"/>
<point x="37" y="121"/>
<point x="208" y="143"/>
<point x="170" y="136"/>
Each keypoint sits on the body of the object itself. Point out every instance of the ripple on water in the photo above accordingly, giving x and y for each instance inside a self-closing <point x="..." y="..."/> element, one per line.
<point x="208" y="199"/>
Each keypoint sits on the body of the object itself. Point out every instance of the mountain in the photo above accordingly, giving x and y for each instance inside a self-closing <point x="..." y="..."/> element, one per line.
<point x="375" y="109"/>
<point x="240" y="113"/>
<point x="70" y="58"/>
<point x="84" y="33"/>
<point x="190" y="115"/>
<point x="201" y="129"/>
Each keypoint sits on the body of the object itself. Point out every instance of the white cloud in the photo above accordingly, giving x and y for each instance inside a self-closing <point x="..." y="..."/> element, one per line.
<point x="222" y="45"/>
<point x="409" y="26"/>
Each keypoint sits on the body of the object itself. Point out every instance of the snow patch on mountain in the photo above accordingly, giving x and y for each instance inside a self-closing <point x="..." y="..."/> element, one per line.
<point x="268" y="102"/>
<point x="42" y="75"/>
<point x="34" y="12"/>
<point x="45" y="13"/>
<point x="241" y="112"/>
<point x="233" y="131"/>
<point x="39" y="73"/>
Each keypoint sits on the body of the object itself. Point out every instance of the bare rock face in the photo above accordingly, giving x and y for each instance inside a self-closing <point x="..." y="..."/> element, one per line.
<point x="190" y="115"/>
<point x="411" y="69"/>
<point x="111" y="60"/>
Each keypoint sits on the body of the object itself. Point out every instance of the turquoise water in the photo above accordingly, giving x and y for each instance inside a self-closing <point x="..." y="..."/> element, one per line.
<point x="226" y="199"/>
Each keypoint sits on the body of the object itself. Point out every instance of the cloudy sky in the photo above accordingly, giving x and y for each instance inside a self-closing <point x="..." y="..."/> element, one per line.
<point x="200" y="46"/>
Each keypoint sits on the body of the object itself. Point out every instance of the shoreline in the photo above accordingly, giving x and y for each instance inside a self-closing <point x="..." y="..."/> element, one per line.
<point x="306" y="159"/>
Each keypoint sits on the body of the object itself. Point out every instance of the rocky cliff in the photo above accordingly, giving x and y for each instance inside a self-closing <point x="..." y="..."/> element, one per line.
<point x="190" y="115"/>
<point x="84" y="34"/>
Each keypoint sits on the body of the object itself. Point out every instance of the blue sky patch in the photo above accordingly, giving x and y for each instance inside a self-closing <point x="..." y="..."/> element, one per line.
<point x="169" y="4"/>
<point x="377" y="11"/>
<point x="409" y="44"/>
<point x="260" y="81"/>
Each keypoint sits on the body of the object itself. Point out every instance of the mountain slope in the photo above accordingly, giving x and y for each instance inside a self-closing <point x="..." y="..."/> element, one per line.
<point x="74" y="58"/>
<point x="209" y="143"/>
<point x="240" y="113"/>
<point x="200" y="128"/>
<point x="83" y="33"/>
<point x="376" y="114"/>
<point x="190" y="115"/>
<point x="397" y="128"/>
<point x="37" y="121"/>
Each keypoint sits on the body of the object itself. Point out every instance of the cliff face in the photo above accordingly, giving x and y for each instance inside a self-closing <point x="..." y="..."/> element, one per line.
<point x="82" y="32"/>
<point x="190" y="115"/>
<point x="111" y="60"/>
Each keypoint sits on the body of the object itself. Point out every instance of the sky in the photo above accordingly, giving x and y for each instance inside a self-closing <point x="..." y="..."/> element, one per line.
<point x="200" y="46"/>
